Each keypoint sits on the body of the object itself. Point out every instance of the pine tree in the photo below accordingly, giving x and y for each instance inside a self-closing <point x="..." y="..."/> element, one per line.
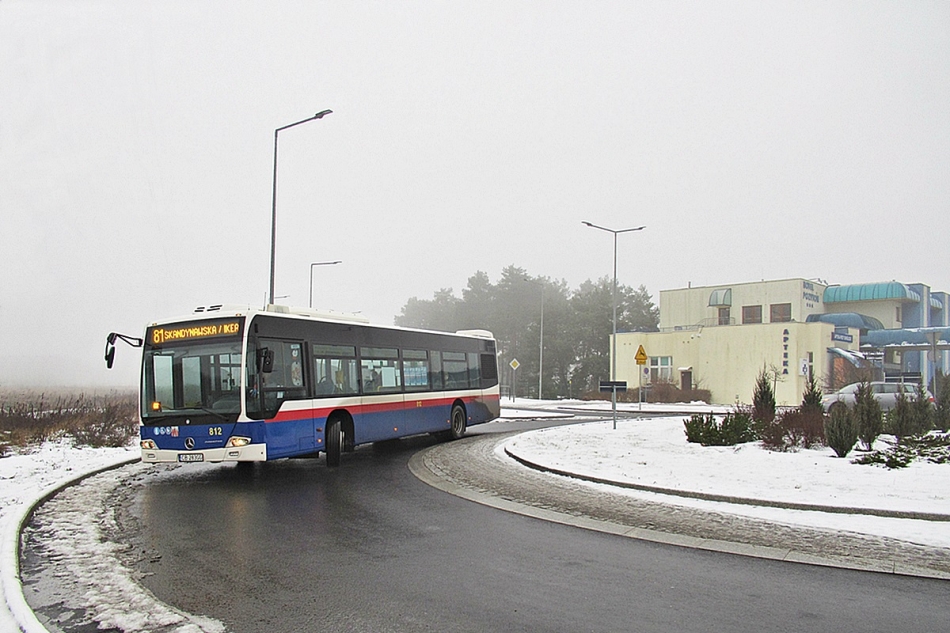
<point x="763" y="399"/>
<point x="922" y="412"/>
<point x="942" y="410"/>
<point x="811" y="398"/>
<point x="841" y="432"/>
<point x="867" y="415"/>
<point x="900" y="419"/>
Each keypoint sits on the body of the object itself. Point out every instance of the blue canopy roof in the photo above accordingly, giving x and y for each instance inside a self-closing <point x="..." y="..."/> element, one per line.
<point x="914" y="338"/>
<point x="847" y="319"/>
<point x="870" y="292"/>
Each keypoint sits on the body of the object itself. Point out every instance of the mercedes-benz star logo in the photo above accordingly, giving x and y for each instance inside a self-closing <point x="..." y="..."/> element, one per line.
<point x="189" y="443"/>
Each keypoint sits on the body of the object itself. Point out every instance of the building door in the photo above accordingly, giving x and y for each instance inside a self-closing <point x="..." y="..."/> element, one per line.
<point x="686" y="380"/>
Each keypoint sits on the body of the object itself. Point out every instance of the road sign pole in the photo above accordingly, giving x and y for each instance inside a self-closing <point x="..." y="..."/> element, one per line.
<point x="641" y="358"/>
<point x="613" y="404"/>
<point x="514" y="364"/>
<point x="613" y="386"/>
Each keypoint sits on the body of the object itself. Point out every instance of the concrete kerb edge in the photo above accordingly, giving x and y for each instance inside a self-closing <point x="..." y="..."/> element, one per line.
<point x="704" y="496"/>
<point x="421" y="469"/>
<point x="22" y="614"/>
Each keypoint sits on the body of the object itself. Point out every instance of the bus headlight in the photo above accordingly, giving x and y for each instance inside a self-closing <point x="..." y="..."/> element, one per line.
<point x="237" y="442"/>
<point x="148" y="445"/>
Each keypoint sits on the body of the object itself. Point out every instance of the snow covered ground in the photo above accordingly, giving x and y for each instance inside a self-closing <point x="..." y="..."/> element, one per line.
<point x="651" y="452"/>
<point x="24" y="479"/>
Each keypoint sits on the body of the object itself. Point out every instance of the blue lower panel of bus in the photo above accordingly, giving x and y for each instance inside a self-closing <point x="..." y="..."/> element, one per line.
<point x="296" y="436"/>
<point x="301" y="431"/>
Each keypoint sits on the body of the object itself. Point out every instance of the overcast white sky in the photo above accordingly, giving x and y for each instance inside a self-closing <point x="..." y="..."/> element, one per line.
<point x="755" y="140"/>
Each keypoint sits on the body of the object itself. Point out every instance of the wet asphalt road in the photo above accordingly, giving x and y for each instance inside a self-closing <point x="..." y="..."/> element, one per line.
<point x="293" y="546"/>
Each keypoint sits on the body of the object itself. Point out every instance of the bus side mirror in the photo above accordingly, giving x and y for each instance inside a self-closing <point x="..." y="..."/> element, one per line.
<point x="265" y="360"/>
<point x="110" y="349"/>
<point x="110" y="345"/>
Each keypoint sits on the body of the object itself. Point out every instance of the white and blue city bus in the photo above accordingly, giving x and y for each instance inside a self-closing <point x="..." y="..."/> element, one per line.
<point x="246" y="385"/>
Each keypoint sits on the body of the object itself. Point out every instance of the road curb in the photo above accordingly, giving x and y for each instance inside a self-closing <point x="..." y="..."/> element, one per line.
<point x="705" y="496"/>
<point x="23" y="615"/>
<point x="424" y="469"/>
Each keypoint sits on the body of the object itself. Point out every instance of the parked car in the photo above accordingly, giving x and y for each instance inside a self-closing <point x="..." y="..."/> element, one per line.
<point x="884" y="392"/>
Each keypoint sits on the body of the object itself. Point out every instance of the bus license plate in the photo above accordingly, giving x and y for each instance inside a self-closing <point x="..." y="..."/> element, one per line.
<point x="191" y="457"/>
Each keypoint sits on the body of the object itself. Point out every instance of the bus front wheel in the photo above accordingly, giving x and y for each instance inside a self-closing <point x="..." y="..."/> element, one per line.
<point x="334" y="436"/>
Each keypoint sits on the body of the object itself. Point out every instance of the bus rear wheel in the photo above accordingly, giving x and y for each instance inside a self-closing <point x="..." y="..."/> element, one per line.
<point x="334" y="438"/>
<point x="459" y="423"/>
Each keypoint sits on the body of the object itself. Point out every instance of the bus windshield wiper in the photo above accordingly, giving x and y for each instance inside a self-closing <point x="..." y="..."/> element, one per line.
<point x="220" y="416"/>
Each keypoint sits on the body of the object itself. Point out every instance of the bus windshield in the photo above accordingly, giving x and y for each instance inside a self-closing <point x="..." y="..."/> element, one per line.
<point x="191" y="376"/>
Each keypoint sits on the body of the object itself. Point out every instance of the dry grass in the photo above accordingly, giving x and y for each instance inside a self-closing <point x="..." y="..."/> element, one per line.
<point x="29" y="418"/>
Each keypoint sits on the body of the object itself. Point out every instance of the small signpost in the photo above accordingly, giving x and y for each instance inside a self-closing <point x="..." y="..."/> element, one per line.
<point x="613" y="387"/>
<point x="514" y="364"/>
<point x="641" y="360"/>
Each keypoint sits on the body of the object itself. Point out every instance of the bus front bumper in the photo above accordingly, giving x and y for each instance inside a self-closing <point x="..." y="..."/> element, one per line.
<point x="249" y="453"/>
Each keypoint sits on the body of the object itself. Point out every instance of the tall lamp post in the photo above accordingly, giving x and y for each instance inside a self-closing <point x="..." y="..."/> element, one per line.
<point x="541" y="337"/>
<point x="273" y="213"/>
<point x="613" y="353"/>
<point x="310" y="303"/>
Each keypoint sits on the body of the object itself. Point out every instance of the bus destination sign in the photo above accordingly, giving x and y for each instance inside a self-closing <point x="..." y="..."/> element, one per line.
<point x="160" y="335"/>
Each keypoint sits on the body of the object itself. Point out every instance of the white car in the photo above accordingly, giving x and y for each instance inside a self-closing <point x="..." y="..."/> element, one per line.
<point x="884" y="392"/>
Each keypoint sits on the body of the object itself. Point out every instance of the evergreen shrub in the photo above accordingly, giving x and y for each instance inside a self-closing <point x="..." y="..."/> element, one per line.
<point x="811" y="398"/>
<point x="899" y="421"/>
<point x="941" y="413"/>
<point x="922" y="410"/>
<point x="803" y="427"/>
<point x="867" y="415"/>
<point x="735" y="428"/>
<point x="763" y="400"/>
<point x="841" y="433"/>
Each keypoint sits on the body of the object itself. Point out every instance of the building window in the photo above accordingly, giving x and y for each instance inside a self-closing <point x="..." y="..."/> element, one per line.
<point x="661" y="369"/>
<point x="898" y="314"/>
<point x="780" y="313"/>
<point x="724" y="316"/>
<point x="751" y="314"/>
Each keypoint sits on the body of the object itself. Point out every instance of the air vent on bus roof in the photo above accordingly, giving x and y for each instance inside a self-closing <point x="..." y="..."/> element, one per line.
<point x="326" y="315"/>
<point x="476" y="333"/>
<point x="223" y="307"/>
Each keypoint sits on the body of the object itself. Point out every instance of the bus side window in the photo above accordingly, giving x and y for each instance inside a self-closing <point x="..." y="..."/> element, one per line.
<point x="435" y="370"/>
<point x="455" y="366"/>
<point x="334" y="370"/>
<point x="415" y="369"/>
<point x="489" y="370"/>
<point x="380" y="369"/>
<point x="286" y="380"/>
<point x="288" y="366"/>
<point x="474" y="377"/>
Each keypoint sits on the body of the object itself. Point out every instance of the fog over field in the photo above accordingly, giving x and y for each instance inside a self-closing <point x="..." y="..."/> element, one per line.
<point x="753" y="140"/>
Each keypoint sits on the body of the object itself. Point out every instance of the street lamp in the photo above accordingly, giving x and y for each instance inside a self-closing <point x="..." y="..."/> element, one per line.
<point x="273" y="214"/>
<point x="613" y="354"/>
<point x="541" y="337"/>
<point x="310" y="304"/>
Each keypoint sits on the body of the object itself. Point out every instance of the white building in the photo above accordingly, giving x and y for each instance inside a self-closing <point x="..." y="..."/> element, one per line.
<point x="721" y="338"/>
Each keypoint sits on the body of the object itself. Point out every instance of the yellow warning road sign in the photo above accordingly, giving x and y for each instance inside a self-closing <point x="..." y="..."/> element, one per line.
<point x="641" y="356"/>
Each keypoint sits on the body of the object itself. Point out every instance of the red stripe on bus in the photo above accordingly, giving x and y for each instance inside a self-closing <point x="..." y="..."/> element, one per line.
<point x="294" y="415"/>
